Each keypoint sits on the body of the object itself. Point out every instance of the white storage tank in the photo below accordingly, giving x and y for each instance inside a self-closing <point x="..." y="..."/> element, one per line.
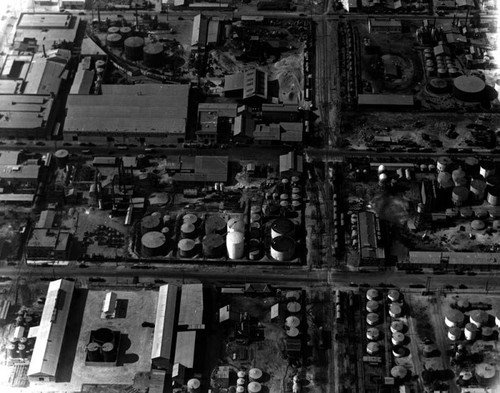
<point x="372" y="294"/>
<point x="395" y="310"/>
<point x="397" y="326"/>
<point x="487" y="169"/>
<point x="236" y="225"/>
<point x="398" y="338"/>
<point x="479" y="317"/>
<point x="372" y="319"/>
<point x="190" y="218"/>
<point x="485" y="373"/>
<point x="454" y="318"/>
<point x="443" y="164"/>
<point x="470" y="331"/>
<point x="477" y="188"/>
<point x="235" y="243"/>
<point x="399" y="372"/>
<point x="188" y="231"/>
<point x="454" y="333"/>
<point x="372" y="306"/>
<point x="372" y="334"/>
<point x="394" y="295"/>
<point x="372" y="348"/>
<point x="282" y="227"/>
<point x="282" y="248"/>
<point x="487" y="333"/>
<point x="255" y="374"/>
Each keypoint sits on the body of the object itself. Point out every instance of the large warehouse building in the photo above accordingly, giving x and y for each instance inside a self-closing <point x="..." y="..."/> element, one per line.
<point x="129" y="114"/>
<point x="50" y="333"/>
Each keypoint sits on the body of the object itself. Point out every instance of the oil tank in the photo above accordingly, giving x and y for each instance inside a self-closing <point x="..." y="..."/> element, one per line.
<point x="113" y="30"/>
<point x="372" y="306"/>
<point x="372" y="334"/>
<point x="372" y="319"/>
<point x="454" y="318"/>
<point x="61" y="156"/>
<point x="188" y="231"/>
<point x="394" y="295"/>
<point x="235" y="244"/>
<point x="493" y="196"/>
<point x="282" y="248"/>
<point x="443" y="164"/>
<point x="460" y="195"/>
<point x="240" y="389"/>
<point x="282" y="227"/>
<point x="487" y="169"/>
<point x="372" y="348"/>
<point x="478" y="225"/>
<point x="471" y="166"/>
<point x="293" y="332"/>
<point x="236" y="225"/>
<point x="215" y="224"/>
<point x="372" y="294"/>
<point x="254" y="249"/>
<point x="485" y="374"/>
<point x="255" y="374"/>
<point x="242" y="374"/>
<point x="193" y="385"/>
<point x="458" y="176"/>
<point x="133" y="48"/>
<point x="399" y="351"/>
<point x="397" y="326"/>
<point x="470" y="331"/>
<point x="292" y="321"/>
<point x="293" y="307"/>
<point x="479" y="318"/>
<point x="395" y="310"/>
<point x="125" y="31"/>
<point x="153" y="244"/>
<point x="94" y="352"/>
<point x="150" y="224"/>
<point x="397" y="338"/>
<point x="190" y="219"/>
<point x="114" y="40"/>
<point x="444" y="180"/>
<point x="153" y="55"/>
<point x="254" y="387"/>
<point x="240" y="381"/>
<point x="11" y="350"/>
<point x="454" y="333"/>
<point x="108" y="352"/>
<point x="487" y="333"/>
<point x="213" y="245"/>
<point x="399" y="372"/>
<point x="186" y="248"/>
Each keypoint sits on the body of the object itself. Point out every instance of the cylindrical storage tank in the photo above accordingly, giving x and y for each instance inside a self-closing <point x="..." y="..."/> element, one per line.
<point x="466" y="212"/>
<point x="255" y="218"/>
<point x="372" y="334"/>
<point x="485" y="374"/>
<point x="481" y="213"/>
<point x="293" y="332"/>
<point x="463" y="304"/>
<point x="188" y="231"/>
<point x="240" y="389"/>
<point x="394" y="295"/>
<point x="114" y="40"/>
<point x="497" y="320"/>
<point x="282" y="227"/>
<point x="254" y="387"/>
<point x="372" y="348"/>
<point x="458" y="175"/>
<point x="382" y="179"/>
<point x="398" y="351"/>
<point x="283" y="197"/>
<point x="431" y="71"/>
<point x="166" y="232"/>
<point x="487" y="169"/>
<point x="293" y="295"/>
<point x="134" y="48"/>
<point x="296" y="205"/>
<point x="493" y="196"/>
<point x="372" y="294"/>
<point x="470" y="331"/>
<point x="215" y="224"/>
<point x="100" y="63"/>
<point x="11" y="350"/>
<point x="469" y="88"/>
<point x="235" y="244"/>
<point x="398" y="338"/>
<point x="487" y="333"/>
<point x="62" y="156"/>
<point x="254" y="249"/>
<point x="186" y="248"/>
<point x="193" y="384"/>
<point x="113" y="30"/>
<point x="397" y="326"/>
<point x="296" y="197"/>
<point x="477" y="188"/>
<point x="240" y="381"/>
<point x="236" y="225"/>
<point x="399" y="372"/>
<point x="153" y="244"/>
<point x="443" y="164"/>
<point x="454" y="333"/>
<point x="372" y="306"/>
<point x="395" y="310"/>
<point x="242" y="374"/>
<point x="190" y="219"/>
<point x="284" y="204"/>
<point x="292" y="321"/>
<point x="454" y="318"/>
<point x="460" y="195"/>
<point x="293" y="307"/>
<point x="471" y="166"/>
<point x="444" y="180"/>
<point x="125" y="31"/>
<point x="108" y="352"/>
<point x="429" y="351"/>
<point x="150" y="224"/>
<point x="282" y="248"/>
<point x="256" y="209"/>
<point x="478" y="225"/>
<point x="372" y="319"/>
<point x="442" y="72"/>
<point x="94" y="352"/>
<point x="103" y="335"/>
<point x="213" y="245"/>
<point x="479" y="317"/>
<point x="255" y="374"/>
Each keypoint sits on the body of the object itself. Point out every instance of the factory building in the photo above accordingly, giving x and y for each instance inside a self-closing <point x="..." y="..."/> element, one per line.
<point x="203" y="169"/>
<point x="452" y="260"/>
<point x="291" y="162"/>
<point x="191" y="307"/>
<point x="19" y="176"/>
<point x="161" y="354"/>
<point x="46" y="30"/>
<point x="371" y="252"/>
<point x="214" y="118"/>
<point x="384" y="25"/>
<point x="140" y="114"/>
<point x="50" y="332"/>
<point x="200" y="31"/>
<point x="246" y="85"/>
<point x="388" y="101"/>
<point x="72" y="4"/>
<point x="26" y="116"/>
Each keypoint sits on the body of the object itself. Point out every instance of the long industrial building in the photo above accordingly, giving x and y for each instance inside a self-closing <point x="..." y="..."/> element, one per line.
<point x="50" y="333"/>
<point x="154" y="114"/>
<point x="164" y="327"/>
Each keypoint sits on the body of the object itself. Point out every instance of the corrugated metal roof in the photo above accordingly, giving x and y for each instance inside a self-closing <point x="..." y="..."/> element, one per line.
<point x="385" y="99"/>
<point x="51" y="329"/>
<point x="185" y="348"/>
<point x="9" y="157"/>
<point x="44" y="76"/>
<point x="43" y="20"/>
<point x="191" y="305"/>
<point x="223" y="109"/>
<point x="200" y="30"/>
<point x="20" y="172"/>
<point x="367" y="234"/>
<point x="213" y="31"/>
<point x="265" y="132"/>
<point x="17" y="198"/>
<point x="211" y="164"/>
<point x="233" y="82"/>
<point x="164" y="324"/>
<point x="292" y="131"/>
<point x="82" y="82"/>
<point x="24" y="111"/>
<point x="46" y="219"/>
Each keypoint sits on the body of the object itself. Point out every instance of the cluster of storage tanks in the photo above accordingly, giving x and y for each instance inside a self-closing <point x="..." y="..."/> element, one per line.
<point x="19" y="345"/>
<point x="286" y="196"/>
<point x="442" y="66"/>
<point x="218" y="238"/>
<point x="293" y="307"/>
<point x="102" y="347"/>
<point x="375" y="306"/>
<point x="470" y="182"/>
<point x="135" y="47"/>
<point x="249" y="382"/>
<point x="470" y="327"/>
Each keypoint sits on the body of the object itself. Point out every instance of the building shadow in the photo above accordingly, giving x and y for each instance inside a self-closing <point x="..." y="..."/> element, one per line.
<point x="71" y="335"/>
<point x="121" y="308"/>
<point x="123" y="356"/>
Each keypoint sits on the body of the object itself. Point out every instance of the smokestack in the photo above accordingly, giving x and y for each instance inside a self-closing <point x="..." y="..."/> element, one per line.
<point x="99" y="14"/>
<point x="136" y="17"/>
<point x="44" y="53"/>
<point x="467" y="16"/>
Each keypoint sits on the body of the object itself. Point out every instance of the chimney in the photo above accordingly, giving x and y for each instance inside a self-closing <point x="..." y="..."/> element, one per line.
<point x="44" y="53"/>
